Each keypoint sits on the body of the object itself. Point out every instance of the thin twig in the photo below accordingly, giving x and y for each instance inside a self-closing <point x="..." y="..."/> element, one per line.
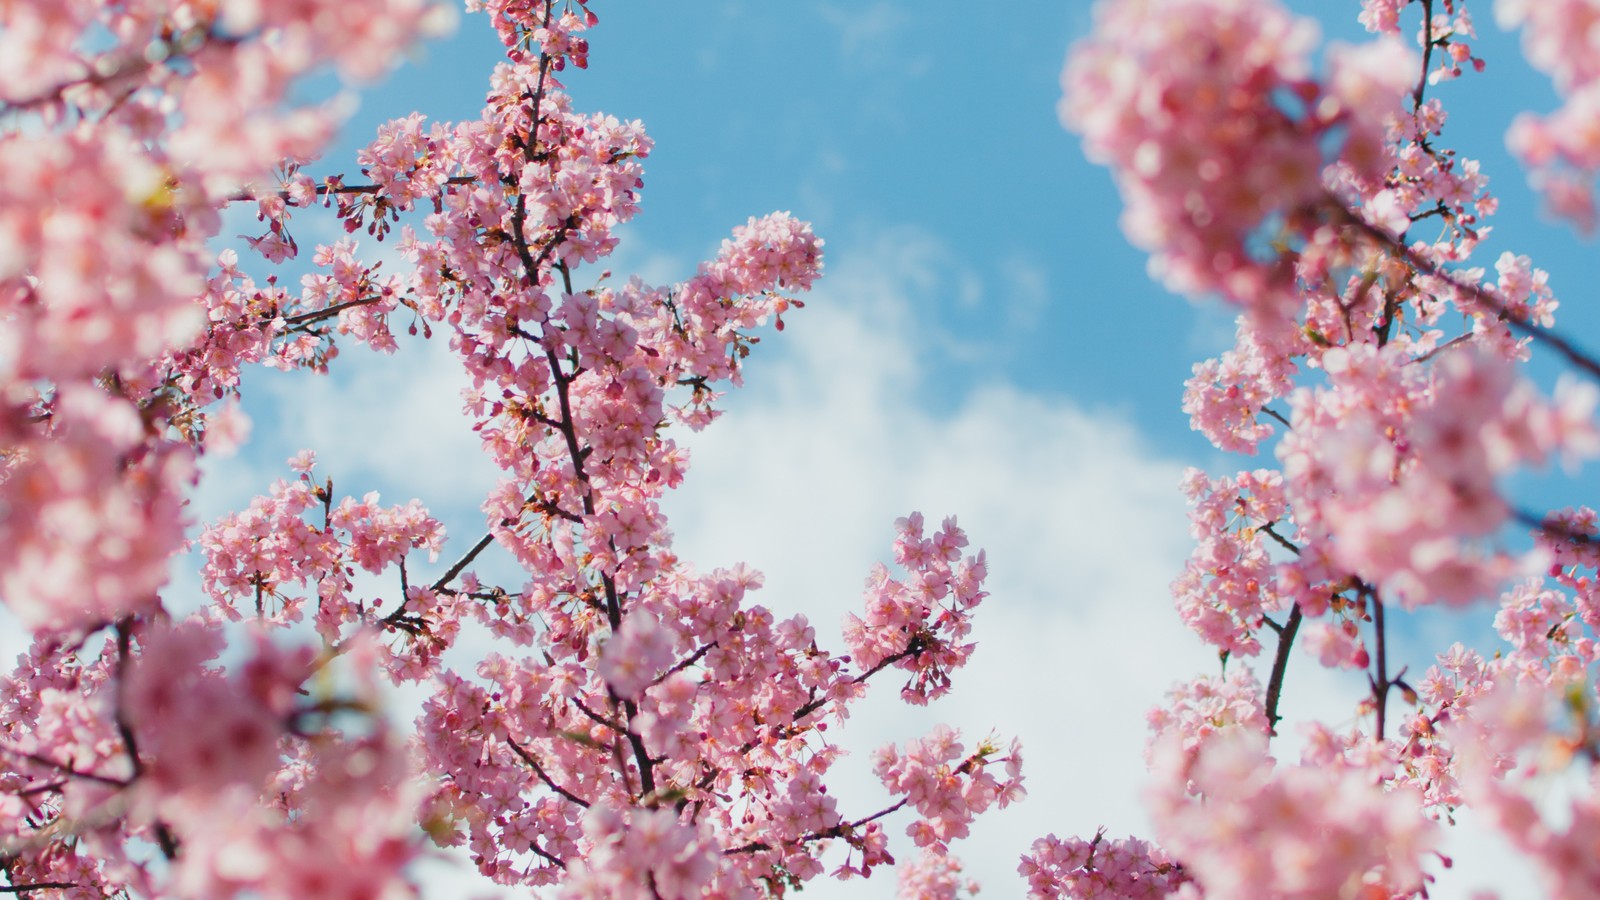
<point x="1579" y="357"/>
<point x="317" y="315"/>
<point x="533" y="764"/>
<point x="64" y="768"/>
<point x="1552" y="528"/>
<point x="839" y="830"/>
<point x="1282" y="541"/>
<point x="1274" y="414"/>
<point x="1380" y="680"/>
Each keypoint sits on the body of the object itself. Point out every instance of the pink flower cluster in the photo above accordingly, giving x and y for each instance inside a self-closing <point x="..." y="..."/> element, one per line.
<point x="146" y="736"/>
<point x="934" y="876"/>
<point x="714" y="705"/>
<point x="1225" y="396"/>
<point x="1402" y="467"/>
<point x="269" y="560"/>
<point x="945" y="785"/>
<point x="1520" y="737"/>
<point x="1397" y="445"/>
<point x="1098" y="869"/>
<point x="1214" y="127"/>
<point x="918" y="624"/>
<point x="1196" y="711"/>
<point x="1313" y="831"/>
<point x="149" y="117"/>
<point x="1562" y="147"/>
<point x="91" y="509"/>
<point x="1227" y="586"/>
<point x="644" y="855"/>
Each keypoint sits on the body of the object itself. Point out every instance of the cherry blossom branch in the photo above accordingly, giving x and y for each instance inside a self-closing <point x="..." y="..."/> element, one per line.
<point x="839" y="830"/>
<point x="64" y="768"/>
<point x="462" y="563"/>
<point x="54" y="787"/>
<point x="129" y="742"/>
<point x="1280" y="539"/>
<point x="1380" y="680"/>
<point x="567" y="427"/>
<point x="1427" y="55"/>
<point x="179" y="46"/>
<point x="1280" y="666"/>
<point x="546" y="855"/>
<point x="483" y="543"/>
<point x="1451" y="344"/>
<point x="912" y="648"/>
<point x="1552" y="528"/>
<point x="1286" y="635"/>
<point x="598" y="719"/>
<point x="318" y="315"/>
<point x="36" y="886"/>
<point x="819" y="702"/>
<point x="1276" y="415"/>
<point x="704" y="649"/>
<point x="331" y="186"/>
<point x="124" y="629"/>
<point x="1566" y="348"/>
<point x="533" y="763"/>
<point x="641" y="755"/>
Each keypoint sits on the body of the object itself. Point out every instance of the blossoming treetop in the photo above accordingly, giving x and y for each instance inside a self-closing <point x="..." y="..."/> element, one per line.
<point x="645" y="730"/>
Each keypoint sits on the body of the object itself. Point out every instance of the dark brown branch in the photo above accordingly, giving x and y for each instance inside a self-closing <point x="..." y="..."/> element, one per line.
<point x="1274" y="414"/>
<point x="839" y="830"/>
<point x="54" y="787"/>
<point x="1553" y="529"/>
<point x="1380" y="681"/>
<point x="1282" y="541"/>
<point x="545" y="855"/>
<point x="596" y="717"/>
<point x="64" y="768"/>
<point x="1578" y="357"/>
<point x="124" y="627"/>
<point x="323" y="189"/>
<point x="461" y="564"/>
<point x="704" y="649"/>
<point x="1427" y="55"/>
<point x="1456" y="341"/>
<point x="533" y="764"/>
<point x="1280" y="667"/>
<point x="318" y="315"/>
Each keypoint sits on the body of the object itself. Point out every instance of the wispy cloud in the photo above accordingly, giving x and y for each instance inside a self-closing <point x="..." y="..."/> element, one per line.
<point x="865" y="28"/>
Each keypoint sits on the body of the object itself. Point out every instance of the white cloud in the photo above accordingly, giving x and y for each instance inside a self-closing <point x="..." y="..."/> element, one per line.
<point x="1084" y="528"/>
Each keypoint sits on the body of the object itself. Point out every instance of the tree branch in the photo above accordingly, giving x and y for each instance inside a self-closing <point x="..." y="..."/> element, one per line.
<point x="1380" y="679"/>
<point x="1578" y="357"/>
<point x="124" y="627"/>
<point x="1280" y="667"/>
<point x="533" y="764"/>
<point x="839" y="830"/>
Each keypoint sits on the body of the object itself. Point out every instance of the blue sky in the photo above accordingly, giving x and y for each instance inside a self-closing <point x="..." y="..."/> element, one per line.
<point x="985" y="343"/>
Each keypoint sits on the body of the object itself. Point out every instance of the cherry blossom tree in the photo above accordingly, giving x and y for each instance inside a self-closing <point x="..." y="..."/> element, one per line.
<point x="1383" y="368"/>
<point x="644" y="729"/>
<point x="647" y="729"/>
